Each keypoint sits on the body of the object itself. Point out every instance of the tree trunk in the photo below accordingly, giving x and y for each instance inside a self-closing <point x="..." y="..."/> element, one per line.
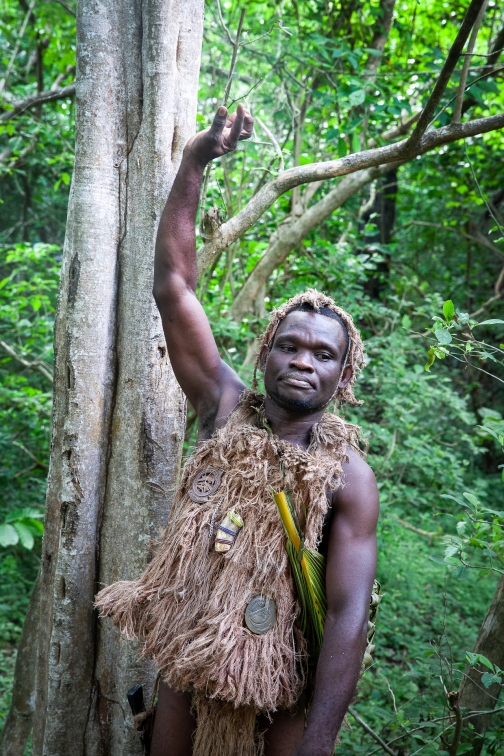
<point x="118" y="412"/>
<point x="382" y="215"/>
<point x="473" y="695"/>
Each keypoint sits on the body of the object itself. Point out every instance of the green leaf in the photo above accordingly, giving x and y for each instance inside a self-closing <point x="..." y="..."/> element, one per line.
<point x="492" y="321"/>
<point x="19" y="514"/>
<point x="486" y="662"/>
<point x="357" y="97"/>
<point x="431" y="356"/>
<point x="451" y="550"/>
<point x="471" y="498"/>
<point x="406" y="321"/>
<point x="25" y="535"/>
<point x="448" y="310"/>
<point x="443" y="336"/>
<point x="488" y="679"/>
<point x="8" y="536"/>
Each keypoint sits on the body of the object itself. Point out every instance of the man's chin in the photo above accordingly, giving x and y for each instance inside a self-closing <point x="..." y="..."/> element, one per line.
<point x="295" y="404"/>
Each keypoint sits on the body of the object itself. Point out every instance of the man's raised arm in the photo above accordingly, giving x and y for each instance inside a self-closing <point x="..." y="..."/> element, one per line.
<point x="210" y="385"/>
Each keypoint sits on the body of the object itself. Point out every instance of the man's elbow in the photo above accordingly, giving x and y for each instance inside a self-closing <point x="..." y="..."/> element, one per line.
<point x="352" y="623"/>
<point x="168" y="290"/>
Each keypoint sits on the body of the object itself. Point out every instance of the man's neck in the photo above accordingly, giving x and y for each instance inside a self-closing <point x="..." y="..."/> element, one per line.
<point x="294" y="427"/>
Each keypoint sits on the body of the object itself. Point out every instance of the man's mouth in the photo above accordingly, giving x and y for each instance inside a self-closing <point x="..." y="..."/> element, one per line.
<point x="298" y="381"/>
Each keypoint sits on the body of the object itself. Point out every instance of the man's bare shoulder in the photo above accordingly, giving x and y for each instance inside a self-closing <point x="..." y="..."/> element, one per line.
<point x="356" y="467"/>
<point x="358" y="494"/>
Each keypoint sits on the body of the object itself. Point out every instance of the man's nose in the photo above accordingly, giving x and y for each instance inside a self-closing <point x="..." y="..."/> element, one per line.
<point x="302" y="361"/>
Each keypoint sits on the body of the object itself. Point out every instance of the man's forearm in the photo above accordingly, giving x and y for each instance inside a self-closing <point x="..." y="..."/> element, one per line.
<point x="337" y="675"/>
<point x="176" y="237"/>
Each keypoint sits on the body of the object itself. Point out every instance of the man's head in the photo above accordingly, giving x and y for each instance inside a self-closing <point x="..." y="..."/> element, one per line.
<point x="310" y="353"/>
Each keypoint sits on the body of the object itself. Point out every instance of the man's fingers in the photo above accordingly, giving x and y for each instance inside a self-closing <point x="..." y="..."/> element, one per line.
<point x="237" y="126"/>
<point x="219" y="121"/>
<point x="248" y="126"/>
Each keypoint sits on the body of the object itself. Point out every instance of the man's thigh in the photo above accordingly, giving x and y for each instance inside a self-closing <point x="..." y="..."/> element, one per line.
<point x="174" y="727"/>
<point x="284" y="734"/>
<point x="174" y="724"/>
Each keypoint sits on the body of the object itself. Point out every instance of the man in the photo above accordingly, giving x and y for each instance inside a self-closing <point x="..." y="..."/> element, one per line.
<point x="230" y="686"/>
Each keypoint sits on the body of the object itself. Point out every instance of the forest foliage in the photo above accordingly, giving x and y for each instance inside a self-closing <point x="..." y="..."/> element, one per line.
<point x="394" y="254"/>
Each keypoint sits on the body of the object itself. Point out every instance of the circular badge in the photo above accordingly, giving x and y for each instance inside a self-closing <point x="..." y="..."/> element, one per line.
<point x="260" y="614"/>
<point x="205" y="484"/>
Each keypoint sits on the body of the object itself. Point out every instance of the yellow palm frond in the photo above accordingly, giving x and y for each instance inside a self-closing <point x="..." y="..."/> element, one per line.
<point x="308" y="568"/>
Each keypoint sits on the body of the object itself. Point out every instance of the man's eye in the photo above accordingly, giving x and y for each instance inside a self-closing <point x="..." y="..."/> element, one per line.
<point x="324" y="357"/>
<point x="287" y="348"/>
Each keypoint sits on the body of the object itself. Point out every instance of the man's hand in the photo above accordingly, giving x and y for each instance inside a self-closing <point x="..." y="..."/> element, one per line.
<point x="222" y="136"/>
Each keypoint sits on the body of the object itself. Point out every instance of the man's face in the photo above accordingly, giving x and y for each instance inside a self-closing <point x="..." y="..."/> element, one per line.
<point x="303" y="368"/>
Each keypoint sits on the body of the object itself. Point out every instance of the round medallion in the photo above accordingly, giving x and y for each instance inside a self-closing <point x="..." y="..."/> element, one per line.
<point x="205" y="484"/>
<point x="260" y="614"/>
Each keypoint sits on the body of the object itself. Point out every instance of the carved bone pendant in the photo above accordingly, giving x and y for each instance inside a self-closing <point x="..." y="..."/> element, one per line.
<point x="227" y="531"/>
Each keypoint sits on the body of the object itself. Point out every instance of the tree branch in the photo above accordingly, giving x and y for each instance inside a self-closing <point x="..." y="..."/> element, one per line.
<point x="13" y="57"/>
<point x="221" y="19"/>
<point x="288" y="235"/>
<point x="446" y="72"/>
<point x="37" y="461"/>
<point x="66" y="7"/>
<point x="40" y="98"/>
<point x="427" y="533"/>
<point x="457" y="111"/>
<point x="235" y="227"/>
<point x="379" y="39"/>
<point x="35" y="364"/>
<point x="236" y="47"/>
<point x="371" y="732"/>
<point x="274" y="142"/>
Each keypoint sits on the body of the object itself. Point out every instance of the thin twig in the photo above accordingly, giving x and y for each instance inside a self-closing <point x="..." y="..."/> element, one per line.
<point x="483" y="55"/>
<point x="370" y="731"/>
<point x="457" y="112"/>
<point x="221" y="19"/>
<point x="10" y="65"/>
<point x="428" y="534"/>
<point x="273" y="141"/>
<point x="236" y="47"/>
<point x="31" y="455"/>
<point x="480" y="239"/>
<point x="430" y="722"/>
<point x="446" y="72"/>
<point x="487" y="303"/>
<point x="35" y="364"/>
<point x="65" y="6"/>
<point x="486" y="75"/>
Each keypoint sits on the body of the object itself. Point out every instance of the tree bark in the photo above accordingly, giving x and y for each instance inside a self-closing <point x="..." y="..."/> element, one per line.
<point x="18" y="724"/>
<point x="472" y="694"/>
<point x="118" y="412"/>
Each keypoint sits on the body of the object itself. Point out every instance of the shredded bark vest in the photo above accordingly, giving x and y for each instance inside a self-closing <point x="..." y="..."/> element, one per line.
<point x="188" y="608"/>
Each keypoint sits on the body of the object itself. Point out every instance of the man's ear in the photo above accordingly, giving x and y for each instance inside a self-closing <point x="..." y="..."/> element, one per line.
<point x="346" y="377"/>
<point x="263" y="356"/>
